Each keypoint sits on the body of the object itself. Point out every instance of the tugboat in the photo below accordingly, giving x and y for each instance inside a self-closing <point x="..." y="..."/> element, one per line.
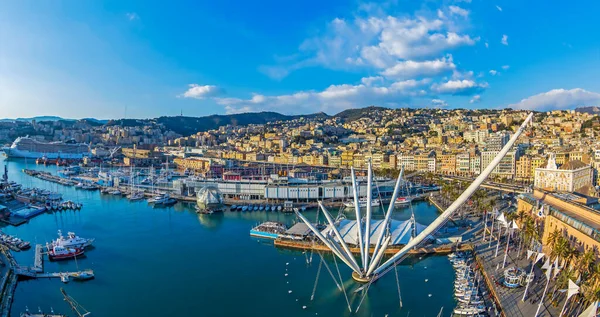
<point x="72" y="241"/>
<point x="57" y="253"/>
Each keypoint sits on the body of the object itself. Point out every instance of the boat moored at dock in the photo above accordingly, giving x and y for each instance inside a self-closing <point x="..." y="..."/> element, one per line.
<point x="268" y="230"/>
<point x="71" y="241"/>
<point x="57" y="253"/>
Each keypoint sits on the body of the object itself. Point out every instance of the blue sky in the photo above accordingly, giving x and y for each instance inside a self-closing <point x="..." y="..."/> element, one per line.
<point x="146" y="59"/>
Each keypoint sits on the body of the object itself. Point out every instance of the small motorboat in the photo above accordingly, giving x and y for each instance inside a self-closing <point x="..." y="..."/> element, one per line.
<point x="135" y="196"/>
<point x="244" y="208"/>
<point x="83" y="275"/>
<point x="279" y="208"/>
<point x="232" y="208"/>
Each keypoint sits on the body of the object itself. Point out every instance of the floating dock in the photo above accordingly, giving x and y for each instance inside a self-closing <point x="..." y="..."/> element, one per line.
<point x="38" y="261"/>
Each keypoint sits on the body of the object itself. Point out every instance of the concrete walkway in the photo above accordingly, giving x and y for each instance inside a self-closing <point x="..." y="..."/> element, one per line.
<point x="510" y="299"/>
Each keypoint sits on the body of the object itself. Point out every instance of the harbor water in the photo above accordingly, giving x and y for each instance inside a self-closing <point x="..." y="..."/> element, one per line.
<point x="172" y="262"/>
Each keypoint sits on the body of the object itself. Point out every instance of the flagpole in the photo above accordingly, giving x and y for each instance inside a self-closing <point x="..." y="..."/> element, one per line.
<point x="491" y="231"/>
<point x="485" y="226"/>
<point x="507" y="243"/>
<point x="533" y="262"/>
<point x="499" y="236"/>
<point x="564" y="306"/>
<point x="544" y="293"/>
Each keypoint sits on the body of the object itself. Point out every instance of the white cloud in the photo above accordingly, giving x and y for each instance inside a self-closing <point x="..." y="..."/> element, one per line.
<point x="475" y="99"/>
<point x="493" y="72"/>
<point x="458" y="11"/>
<point x="439" y="103"/>
<point x="368" y="81"/>
<point x="132" y="16"/>
<point x="487" y="45"/>
<point x="201" y="92"/>
<point x="559" y="99"/>
<point x="412" y="69"/>
<point x="505" y="67"/>
<point x="332" y="99"/>
<point x="463" y="87"/>
<point x="378" y="41"/>
<point x="499" y="8"/>
<point x="504" y="40"/>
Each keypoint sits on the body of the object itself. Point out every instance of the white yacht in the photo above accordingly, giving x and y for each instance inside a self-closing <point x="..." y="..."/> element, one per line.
<point x="162" y="199"/>
<point x="403" y="201"/>
<point x="71" y="241"/>
<point x="362" y="203"/>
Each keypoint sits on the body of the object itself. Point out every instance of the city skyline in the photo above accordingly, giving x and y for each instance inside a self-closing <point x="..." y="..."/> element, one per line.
<point x="131" y="60"/>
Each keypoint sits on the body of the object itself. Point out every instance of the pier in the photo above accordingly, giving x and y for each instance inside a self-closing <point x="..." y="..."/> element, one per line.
<point x="38" y="260"/>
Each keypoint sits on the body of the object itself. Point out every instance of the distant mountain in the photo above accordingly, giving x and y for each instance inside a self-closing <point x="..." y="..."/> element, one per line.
<point x="590" y="110"/>
<point x="53" y="118"/>
<point x="355" y="114"/>
<point x="192" y="125"/>
<point x="41" y="118"/>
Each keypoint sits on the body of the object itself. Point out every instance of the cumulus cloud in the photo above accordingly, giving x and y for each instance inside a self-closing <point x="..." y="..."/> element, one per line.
<point x="475" y="99"/>
<point x="557" y="99"/>
<point x="411" y="69"/>
<point x="465" y="87"/>
<point x="504" y="40"/>
<point x="378" y="41"/>
<point x="487" y="45"/>
<point x="131" y="16"/>
<point x="201" y="92"/>
<point x="455" y="10"/>
<point x="439" y="103"/>
<point x="493" y="72"/>
<point x="499" y="8"/>
<point x="332" y="99"/>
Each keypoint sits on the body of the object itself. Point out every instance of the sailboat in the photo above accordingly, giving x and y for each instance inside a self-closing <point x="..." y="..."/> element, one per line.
<point x="134" y="194"/>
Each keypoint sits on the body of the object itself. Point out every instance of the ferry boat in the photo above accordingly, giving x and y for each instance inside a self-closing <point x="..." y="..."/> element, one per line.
<point x="71" y="241"/>
<point x="25" y="147"/>
<point x="403" y="201"/>
<point x="268" y="230"/>
<point x="57" y="253"/>
<point x="362" y="203"/>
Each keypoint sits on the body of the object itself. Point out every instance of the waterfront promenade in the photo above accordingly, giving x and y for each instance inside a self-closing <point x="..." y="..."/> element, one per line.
<point x="510" y="299"/>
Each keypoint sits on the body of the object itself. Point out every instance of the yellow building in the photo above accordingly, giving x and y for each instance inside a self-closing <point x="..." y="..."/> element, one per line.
<point x="568" y="214"/>
<point x="347" y="158"/>
<point x="523" y="168"/>
<point x="198" y="164"/>
<point x="447" y="164"/>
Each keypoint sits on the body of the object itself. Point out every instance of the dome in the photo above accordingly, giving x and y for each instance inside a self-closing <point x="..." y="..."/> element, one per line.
<point x="209" y="196"/>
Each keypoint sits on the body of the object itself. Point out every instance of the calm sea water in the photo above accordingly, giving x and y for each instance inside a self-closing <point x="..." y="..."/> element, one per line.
<point x="172" y="262"/>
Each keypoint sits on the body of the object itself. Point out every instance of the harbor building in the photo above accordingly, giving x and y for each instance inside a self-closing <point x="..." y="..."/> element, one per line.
<point x="569" y="213"/>
<point x="573" y="176"/>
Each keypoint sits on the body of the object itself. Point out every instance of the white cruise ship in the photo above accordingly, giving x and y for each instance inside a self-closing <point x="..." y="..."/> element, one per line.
<point x="25" y="147"/>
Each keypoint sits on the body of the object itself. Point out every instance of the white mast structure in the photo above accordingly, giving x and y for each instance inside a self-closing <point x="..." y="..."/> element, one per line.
<point x="370" y="272"/>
